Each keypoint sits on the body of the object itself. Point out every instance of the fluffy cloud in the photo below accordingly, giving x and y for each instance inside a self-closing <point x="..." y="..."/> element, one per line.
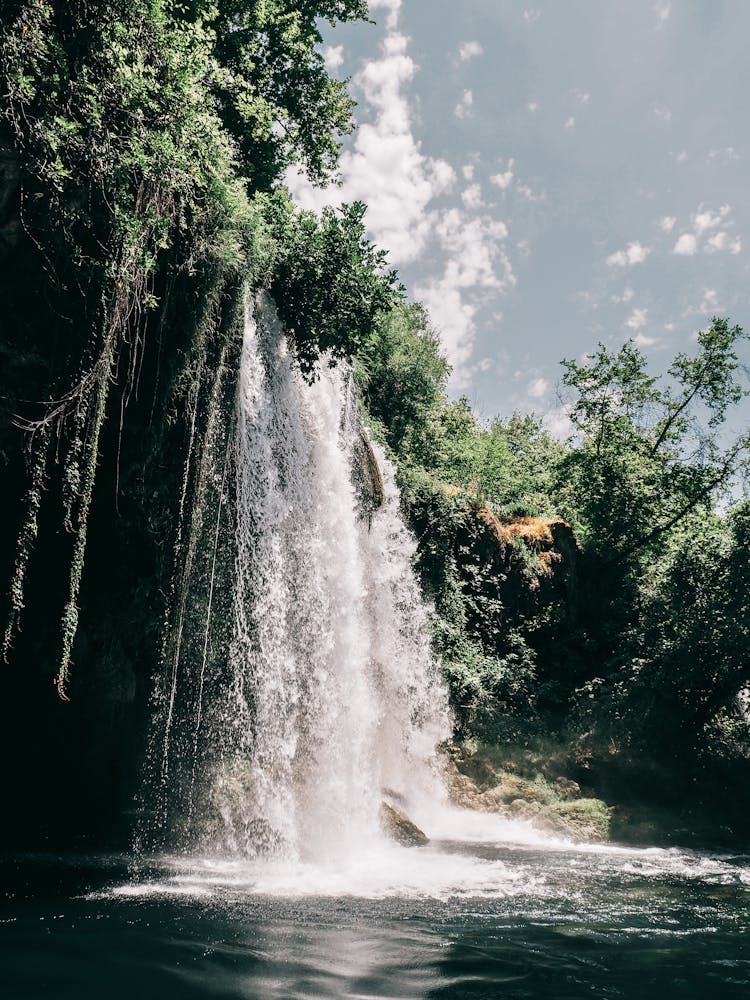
<point x="686" y="245"/>
<point x="663" y="10"/>
<point x="570" y="122"/>
<point x="334" y="57"/>
<point x="723" y="241"/>
<point x="558" y="422"/>
<point x="667" y="223"/>
<point x="472" y="197"/>
<point x="537" y="388"/>
<point x="704" y="219"/>
<point x="637" y="319"/>
<point x="626" y="296"/>
<point x="475" y="264"/>
<point x="463" y="108"/>
<point x="634" y="253"/>
<point x="469" y="50"/>
<point x="466" y="250"/>
<point x="392" y="6"/>
<point x="504" y="179"/>
<point x="641" y="340"/>
<point x="386" y="167"/>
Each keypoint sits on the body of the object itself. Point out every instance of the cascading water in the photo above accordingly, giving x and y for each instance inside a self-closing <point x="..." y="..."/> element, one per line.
<point x="330" y="697"/>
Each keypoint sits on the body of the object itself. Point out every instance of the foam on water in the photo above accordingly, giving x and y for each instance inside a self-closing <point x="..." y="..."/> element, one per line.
<point x="550" y="871"/>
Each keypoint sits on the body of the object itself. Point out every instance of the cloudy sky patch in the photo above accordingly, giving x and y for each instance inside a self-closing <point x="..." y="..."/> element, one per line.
<point x="550" y="176"/>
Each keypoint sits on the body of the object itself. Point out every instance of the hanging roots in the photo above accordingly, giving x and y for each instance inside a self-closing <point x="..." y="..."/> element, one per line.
<point x="27" y="535"/>
<point x="90" y="455"/>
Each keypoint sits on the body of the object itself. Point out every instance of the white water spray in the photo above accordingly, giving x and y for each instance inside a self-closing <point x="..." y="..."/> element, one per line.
<point x="336" y="695"/>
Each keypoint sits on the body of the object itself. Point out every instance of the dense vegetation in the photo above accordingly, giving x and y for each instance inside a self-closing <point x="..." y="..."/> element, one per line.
<point x="591" y="594"/>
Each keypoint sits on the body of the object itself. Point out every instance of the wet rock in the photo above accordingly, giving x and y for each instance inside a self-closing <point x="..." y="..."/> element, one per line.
<point x="400" y="828"/>
<point x="366" y="475"/>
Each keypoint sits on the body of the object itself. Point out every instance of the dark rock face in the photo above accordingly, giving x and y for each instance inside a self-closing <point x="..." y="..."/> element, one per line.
<point x="366" y="475"/>
<point x="400" y="828"/>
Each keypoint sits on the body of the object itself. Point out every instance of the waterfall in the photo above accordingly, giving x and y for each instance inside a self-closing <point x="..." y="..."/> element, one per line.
<point x="328" y="696"/>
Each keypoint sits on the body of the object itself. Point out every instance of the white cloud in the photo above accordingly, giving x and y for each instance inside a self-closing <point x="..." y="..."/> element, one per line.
<point x="392" y="6"/>
<point x="476" y="264"/>
<point x="686" y="245"/>
<point x="472" y="197"/>
<point x="665" y="114"/>
<point x="726" y="154"/>
<point x="723" y="241"/>
<point x="537" y="388"/>
<point x="334" y="57"/>
<point x="528" y="193"/>
<point x="571" y="122"/>
<point x="531" y="16"/>
<point x="641" y="340"/>
<point x="637" y="319"/>
<point x="662" y="9"/>
<point x="718" y="241"/>
<point x="505" y="179"/>
<point x="386" y="167"/>
<point x="463" y="108"/>
<point x="667" y="223"/>
<point x="583" y="96"/>
<point x="626" y="296"/>
<point x="532" y="106"/>
<point x="469" y="50"/>
<point x="710" y="300"/>
<point x="469" y="266"/>
<point x="558" y="422"/>
<point x="634" y="253"/>
<point x="705" y="219"/>
<point x="682" y="156"/>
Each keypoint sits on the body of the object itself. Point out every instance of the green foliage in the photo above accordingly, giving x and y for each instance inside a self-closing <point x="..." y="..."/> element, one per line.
<point x="640" y="639"/>
<point x="267" y="78"/>
<point x="402" y="375"/>
<point x="147" y="135"/>
<point x="691" y="656"/>
<point x="330" y="281"/>
<point x="650" y="454"/>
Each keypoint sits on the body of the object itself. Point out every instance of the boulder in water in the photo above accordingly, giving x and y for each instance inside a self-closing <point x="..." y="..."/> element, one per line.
<point x="400" y="828"/>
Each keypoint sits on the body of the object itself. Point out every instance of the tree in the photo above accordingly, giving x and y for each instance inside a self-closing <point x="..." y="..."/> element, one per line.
<point x="330" y="282"/>
<point x="650" y="452"/>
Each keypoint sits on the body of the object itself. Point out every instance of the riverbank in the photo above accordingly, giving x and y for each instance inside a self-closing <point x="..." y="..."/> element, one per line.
<point x="567" y="790"/>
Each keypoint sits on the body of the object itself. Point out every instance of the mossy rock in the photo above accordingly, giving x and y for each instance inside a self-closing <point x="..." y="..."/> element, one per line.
<point x="582" y="819"/>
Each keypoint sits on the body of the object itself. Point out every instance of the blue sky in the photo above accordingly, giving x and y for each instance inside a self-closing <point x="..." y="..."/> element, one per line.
<point x="549" y="176"/>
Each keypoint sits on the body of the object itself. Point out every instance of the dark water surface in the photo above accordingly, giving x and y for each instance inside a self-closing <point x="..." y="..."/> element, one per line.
<point x="500" y="922"/>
